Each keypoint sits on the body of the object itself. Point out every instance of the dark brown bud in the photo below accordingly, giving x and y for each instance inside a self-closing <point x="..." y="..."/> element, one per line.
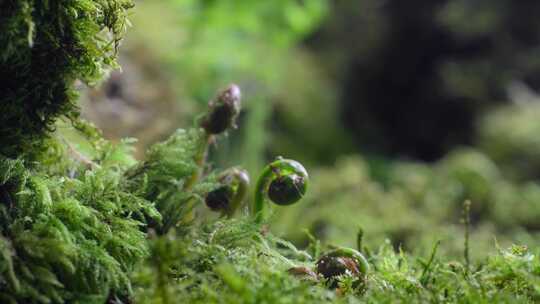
<point x="331" y="267"/>
<point x="220" y="198"/>
<point x="340" y="262"/>
<point x="287" y="189"/>
<point x="223" y="111"/>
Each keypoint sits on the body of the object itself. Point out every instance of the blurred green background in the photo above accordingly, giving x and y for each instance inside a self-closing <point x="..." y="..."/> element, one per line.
<point x="400" y="110"/>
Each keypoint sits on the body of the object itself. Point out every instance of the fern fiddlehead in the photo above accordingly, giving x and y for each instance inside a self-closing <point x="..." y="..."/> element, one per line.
<point x="283" y="181"/>
<point x="342" y="261"/>
<point x="222" y="113"/>
<point x="224" y="110"/>
<point x="229" y="196"/>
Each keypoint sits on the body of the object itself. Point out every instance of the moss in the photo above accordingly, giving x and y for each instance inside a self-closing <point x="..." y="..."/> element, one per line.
<point x="46" y="47"/>
<point x="68" y="238"/>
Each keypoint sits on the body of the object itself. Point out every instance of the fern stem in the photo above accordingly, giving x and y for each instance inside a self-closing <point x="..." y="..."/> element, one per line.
<point x="200" y="159"/>
<point x="242" y="178"/>
<point x="279" y="168"/>
<point x="467" y="220"/>
<point x="260" y="193"/>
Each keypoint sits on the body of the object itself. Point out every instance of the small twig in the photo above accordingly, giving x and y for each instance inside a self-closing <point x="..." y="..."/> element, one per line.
<point x="359" y="238"/>
<point x="199" y="159"/>
<point x="314" y="243"/>
<point x="467" y="221"/>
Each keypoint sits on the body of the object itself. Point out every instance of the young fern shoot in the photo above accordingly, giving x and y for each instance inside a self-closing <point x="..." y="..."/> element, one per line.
<point x="222" y="114"/>
<point x="283" y="181"/>
<point x="342" y="261"/>
<point x="224" y="110"/>
<point x="229" y="196"/>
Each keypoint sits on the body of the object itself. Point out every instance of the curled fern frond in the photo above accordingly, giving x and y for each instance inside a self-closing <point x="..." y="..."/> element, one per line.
<point x="234" y="184"/>
<point x="284" y="182"/>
